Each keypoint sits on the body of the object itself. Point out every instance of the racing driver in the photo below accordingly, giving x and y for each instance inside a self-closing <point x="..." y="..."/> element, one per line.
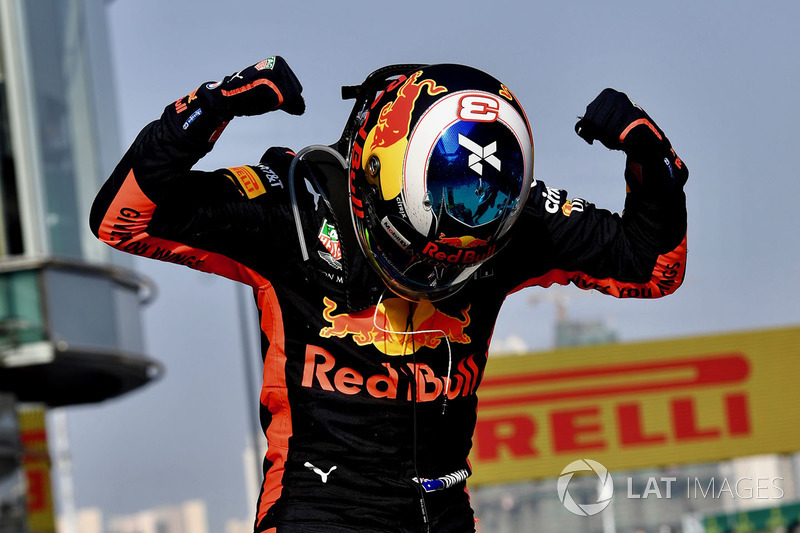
<point x="379" y="265"/>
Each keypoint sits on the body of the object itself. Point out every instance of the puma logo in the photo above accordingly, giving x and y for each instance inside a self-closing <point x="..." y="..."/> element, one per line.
<point x="314" y="194"/>
<point x="322" y="475"/>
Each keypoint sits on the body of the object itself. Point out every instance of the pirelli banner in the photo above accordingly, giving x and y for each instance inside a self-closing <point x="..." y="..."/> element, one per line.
<point x="631" y="406"/>
<point x="36" y="461"/>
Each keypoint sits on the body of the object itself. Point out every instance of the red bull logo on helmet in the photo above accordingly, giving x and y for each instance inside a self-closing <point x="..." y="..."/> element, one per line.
<point x="394" y="120"/>
<point x="389" y="138"/>
<point x="466" y="241"/>
<point x="462" y="256"/>
<point x="386" y="327"/>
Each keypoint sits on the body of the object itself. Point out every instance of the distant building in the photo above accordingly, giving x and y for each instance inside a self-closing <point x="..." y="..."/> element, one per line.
<point x="239" y="526"/>
<point x="583" y="333"/>
<point x="188" y="517"/>
<point x="69" y="306"/>
<point x="89" y="520"/>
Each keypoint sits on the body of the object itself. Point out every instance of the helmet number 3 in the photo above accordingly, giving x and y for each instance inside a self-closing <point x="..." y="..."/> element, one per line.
<point x="475" y="108"/>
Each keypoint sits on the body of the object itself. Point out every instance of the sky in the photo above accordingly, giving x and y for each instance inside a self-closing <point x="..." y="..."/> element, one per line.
<point x="719" y="77"/>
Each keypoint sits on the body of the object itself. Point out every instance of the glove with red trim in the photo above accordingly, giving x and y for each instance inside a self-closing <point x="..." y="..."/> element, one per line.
<point x="614" y="120"/>
<point x="257" y="89"/>
<point x="619" y="124"/>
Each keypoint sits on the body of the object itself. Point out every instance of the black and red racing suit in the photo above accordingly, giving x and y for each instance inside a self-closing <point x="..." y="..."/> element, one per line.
<point x="354" y="410"/>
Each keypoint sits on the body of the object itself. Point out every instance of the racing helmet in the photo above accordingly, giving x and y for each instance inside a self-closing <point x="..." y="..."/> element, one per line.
<point x="440" y="164"/>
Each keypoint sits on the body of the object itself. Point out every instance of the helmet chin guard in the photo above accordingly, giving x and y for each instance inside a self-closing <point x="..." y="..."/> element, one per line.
<point x="440" y="162"/>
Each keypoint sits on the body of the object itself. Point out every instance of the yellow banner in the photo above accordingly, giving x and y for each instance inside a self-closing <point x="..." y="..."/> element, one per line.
<point x="36" y="461"/>
<point x="630" y="406"/>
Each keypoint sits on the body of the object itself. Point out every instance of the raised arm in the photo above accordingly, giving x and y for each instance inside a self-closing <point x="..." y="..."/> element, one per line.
<point x="154" y="205"/>
<point x="641" y="253"/>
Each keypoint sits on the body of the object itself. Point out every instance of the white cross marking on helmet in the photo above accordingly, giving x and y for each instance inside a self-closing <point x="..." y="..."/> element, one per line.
<point x="479" y="154"/>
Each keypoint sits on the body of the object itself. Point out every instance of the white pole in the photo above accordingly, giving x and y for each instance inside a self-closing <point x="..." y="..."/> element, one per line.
<point x="609" y="523"/>
<point x="63" y="463"/>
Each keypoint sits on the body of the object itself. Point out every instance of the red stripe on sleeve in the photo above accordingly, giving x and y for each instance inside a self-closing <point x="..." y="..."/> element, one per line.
<point x="667" y="276"/>
<point x="125" y="226"/>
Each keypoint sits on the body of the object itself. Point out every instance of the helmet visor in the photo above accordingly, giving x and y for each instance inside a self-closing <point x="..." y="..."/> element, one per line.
<point x="476" y="175"/>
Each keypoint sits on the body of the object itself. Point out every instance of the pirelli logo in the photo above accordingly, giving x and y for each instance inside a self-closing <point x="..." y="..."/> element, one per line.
<point x="249" y="181"/>
<point x="637" y="406"/>
<point x="36" y="464"/>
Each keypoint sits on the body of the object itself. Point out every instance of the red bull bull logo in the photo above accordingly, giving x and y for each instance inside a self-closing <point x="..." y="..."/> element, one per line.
<point x="467" y="241"/>
<point x="388" y="139"/>
<point x="394" y="120"/>
<point x="387" y="327"/>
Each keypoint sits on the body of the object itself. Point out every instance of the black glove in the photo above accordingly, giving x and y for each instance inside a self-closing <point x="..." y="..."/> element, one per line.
<point x="614" y="120"/>
<point x="265" y="86"/>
